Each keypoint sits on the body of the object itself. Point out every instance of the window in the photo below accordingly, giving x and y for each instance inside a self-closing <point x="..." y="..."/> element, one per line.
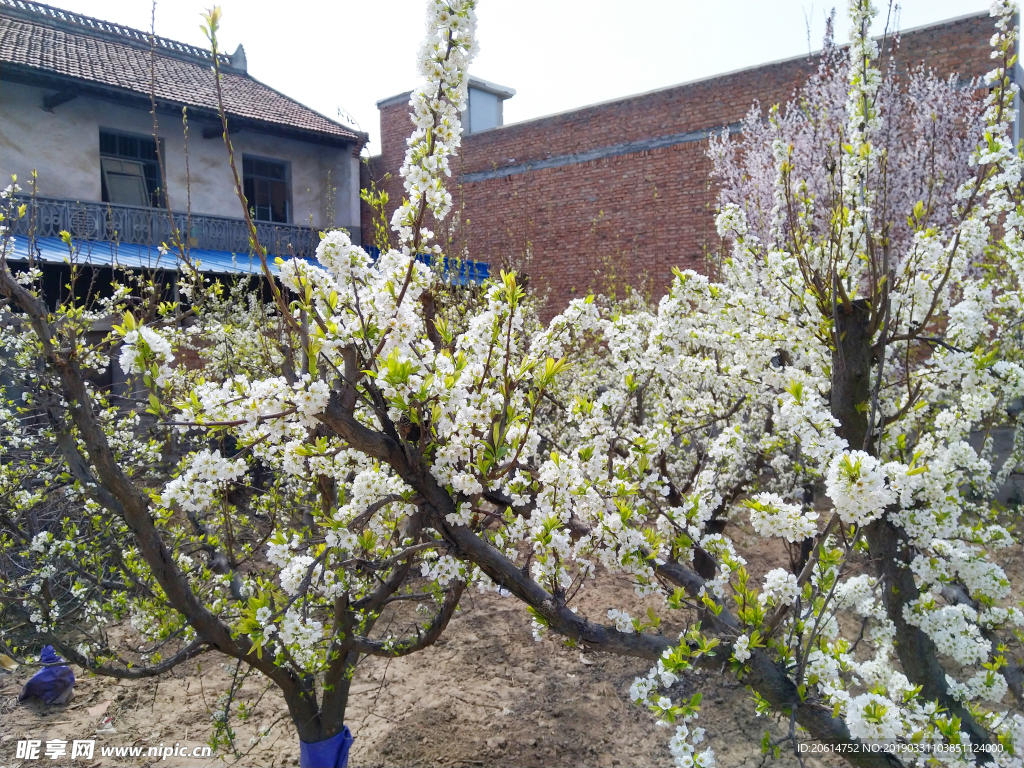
<point x="266" y="188"/>
<point x="130" y="169"/>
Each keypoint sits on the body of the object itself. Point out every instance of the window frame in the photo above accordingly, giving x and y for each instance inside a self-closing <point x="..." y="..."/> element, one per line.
<point x="113" y="167"/>
<point x="287" y="181"/>
<point x="157" y="195"/>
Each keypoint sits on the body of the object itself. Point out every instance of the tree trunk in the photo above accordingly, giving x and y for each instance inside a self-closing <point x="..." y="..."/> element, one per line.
<point x="889" y="548"/>
<point x="851" y="373"/>
<point x="335" y="701"/>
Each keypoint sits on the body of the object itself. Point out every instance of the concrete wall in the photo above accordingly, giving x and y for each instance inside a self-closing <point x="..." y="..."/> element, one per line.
<point x="619" y="192"/>
<point x="63" y="147"/>
<point x="484" y="111"/>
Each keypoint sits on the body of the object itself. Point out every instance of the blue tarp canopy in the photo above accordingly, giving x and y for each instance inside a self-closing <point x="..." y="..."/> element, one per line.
<point x="454" y="271"/>
<point x="460" y="271"/>
<point x="105" y="253"/>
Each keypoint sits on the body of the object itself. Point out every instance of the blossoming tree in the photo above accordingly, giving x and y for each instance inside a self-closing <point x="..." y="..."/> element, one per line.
<point x="836" y="387"/>
<point x="369" y="446"/>
<point x="274" y="541"/>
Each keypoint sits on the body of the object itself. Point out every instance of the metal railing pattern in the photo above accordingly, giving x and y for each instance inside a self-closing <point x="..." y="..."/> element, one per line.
<point x="47" y="217"/>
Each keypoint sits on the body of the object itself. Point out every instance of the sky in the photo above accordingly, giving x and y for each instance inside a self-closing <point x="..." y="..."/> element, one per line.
<point x="342" y="56"/>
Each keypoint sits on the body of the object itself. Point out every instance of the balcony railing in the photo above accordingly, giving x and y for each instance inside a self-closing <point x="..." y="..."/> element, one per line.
<point x="47" y="217"/>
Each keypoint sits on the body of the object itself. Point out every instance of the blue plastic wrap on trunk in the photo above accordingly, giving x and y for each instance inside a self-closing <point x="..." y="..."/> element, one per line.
<point x="329" y="753"/>
<point x="51" y="684"/>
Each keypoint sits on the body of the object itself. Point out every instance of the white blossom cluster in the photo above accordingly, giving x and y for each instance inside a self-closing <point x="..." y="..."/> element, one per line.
<point x="683" y="744"/>
<point x="856" y="483"/>
<point x="204" y="475"/>
<point x="771" y="516"/>
<point x="780" y="588"/>
<point x="144" y="347"/>
<point x="436" y="105"/>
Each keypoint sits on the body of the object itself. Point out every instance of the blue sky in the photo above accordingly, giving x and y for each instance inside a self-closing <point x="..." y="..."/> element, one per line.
<point x="557" y="54"/>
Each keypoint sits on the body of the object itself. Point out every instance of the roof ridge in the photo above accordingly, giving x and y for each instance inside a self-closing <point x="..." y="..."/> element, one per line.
<point x="63" y="18"/>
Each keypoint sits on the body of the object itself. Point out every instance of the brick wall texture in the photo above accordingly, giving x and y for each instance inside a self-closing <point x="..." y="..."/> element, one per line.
<point x="634" y="213"/>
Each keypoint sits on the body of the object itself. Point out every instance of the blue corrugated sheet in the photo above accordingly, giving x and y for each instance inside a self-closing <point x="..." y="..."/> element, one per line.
<point x="454" y="271"/>
<point x="104" y="253"/>
<point x="461" y="271"/>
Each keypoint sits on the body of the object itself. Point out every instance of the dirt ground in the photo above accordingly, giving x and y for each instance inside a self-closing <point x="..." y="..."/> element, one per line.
<point x="486" y="694"/>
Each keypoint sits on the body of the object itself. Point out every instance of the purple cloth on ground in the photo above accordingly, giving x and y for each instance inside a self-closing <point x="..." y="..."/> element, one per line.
<point x="51" y="684"/>
<point x="329" y="753"/>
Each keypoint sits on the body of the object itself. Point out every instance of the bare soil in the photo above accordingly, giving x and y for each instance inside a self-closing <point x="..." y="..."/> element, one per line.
<point x="486" y="694"/>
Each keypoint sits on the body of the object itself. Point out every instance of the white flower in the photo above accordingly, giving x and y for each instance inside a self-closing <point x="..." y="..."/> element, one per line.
<point x="443" y="569"/>
<point x="953" y="629"/>
<point x="295" y="572"/>
<point x="873" y="718"/>
<point x="740" y="649"/>
<point x="780" y="587"/>
<point x="40" y="541"/>
<point x="206" y="474"/>
<point x="771" y="516"/>
<point x="857" y="486"/>
<point x="641" y="689"/>
<point x="623" y="621"/>
<point x="144" y="347"/>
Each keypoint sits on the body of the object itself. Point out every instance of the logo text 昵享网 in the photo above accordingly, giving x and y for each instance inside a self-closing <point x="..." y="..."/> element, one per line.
<point x="33" y="749"/>
<point x="84" y="749"/>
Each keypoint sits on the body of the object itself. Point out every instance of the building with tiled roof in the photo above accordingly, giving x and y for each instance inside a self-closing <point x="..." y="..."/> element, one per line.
<point x="76" y="96"/>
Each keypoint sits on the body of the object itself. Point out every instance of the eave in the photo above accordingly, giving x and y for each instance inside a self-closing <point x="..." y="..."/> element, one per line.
<point x="202" y="117"/>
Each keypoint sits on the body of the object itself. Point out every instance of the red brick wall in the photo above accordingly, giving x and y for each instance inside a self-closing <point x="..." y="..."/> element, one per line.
<point x="630" y="218"/>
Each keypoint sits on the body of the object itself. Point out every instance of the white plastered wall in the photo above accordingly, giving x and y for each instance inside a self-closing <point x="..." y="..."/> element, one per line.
<point x="63" y="147"/>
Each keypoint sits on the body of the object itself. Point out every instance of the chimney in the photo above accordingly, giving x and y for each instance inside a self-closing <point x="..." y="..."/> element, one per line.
<point x="485" y="105"/>
<point x="238" y="59"/>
